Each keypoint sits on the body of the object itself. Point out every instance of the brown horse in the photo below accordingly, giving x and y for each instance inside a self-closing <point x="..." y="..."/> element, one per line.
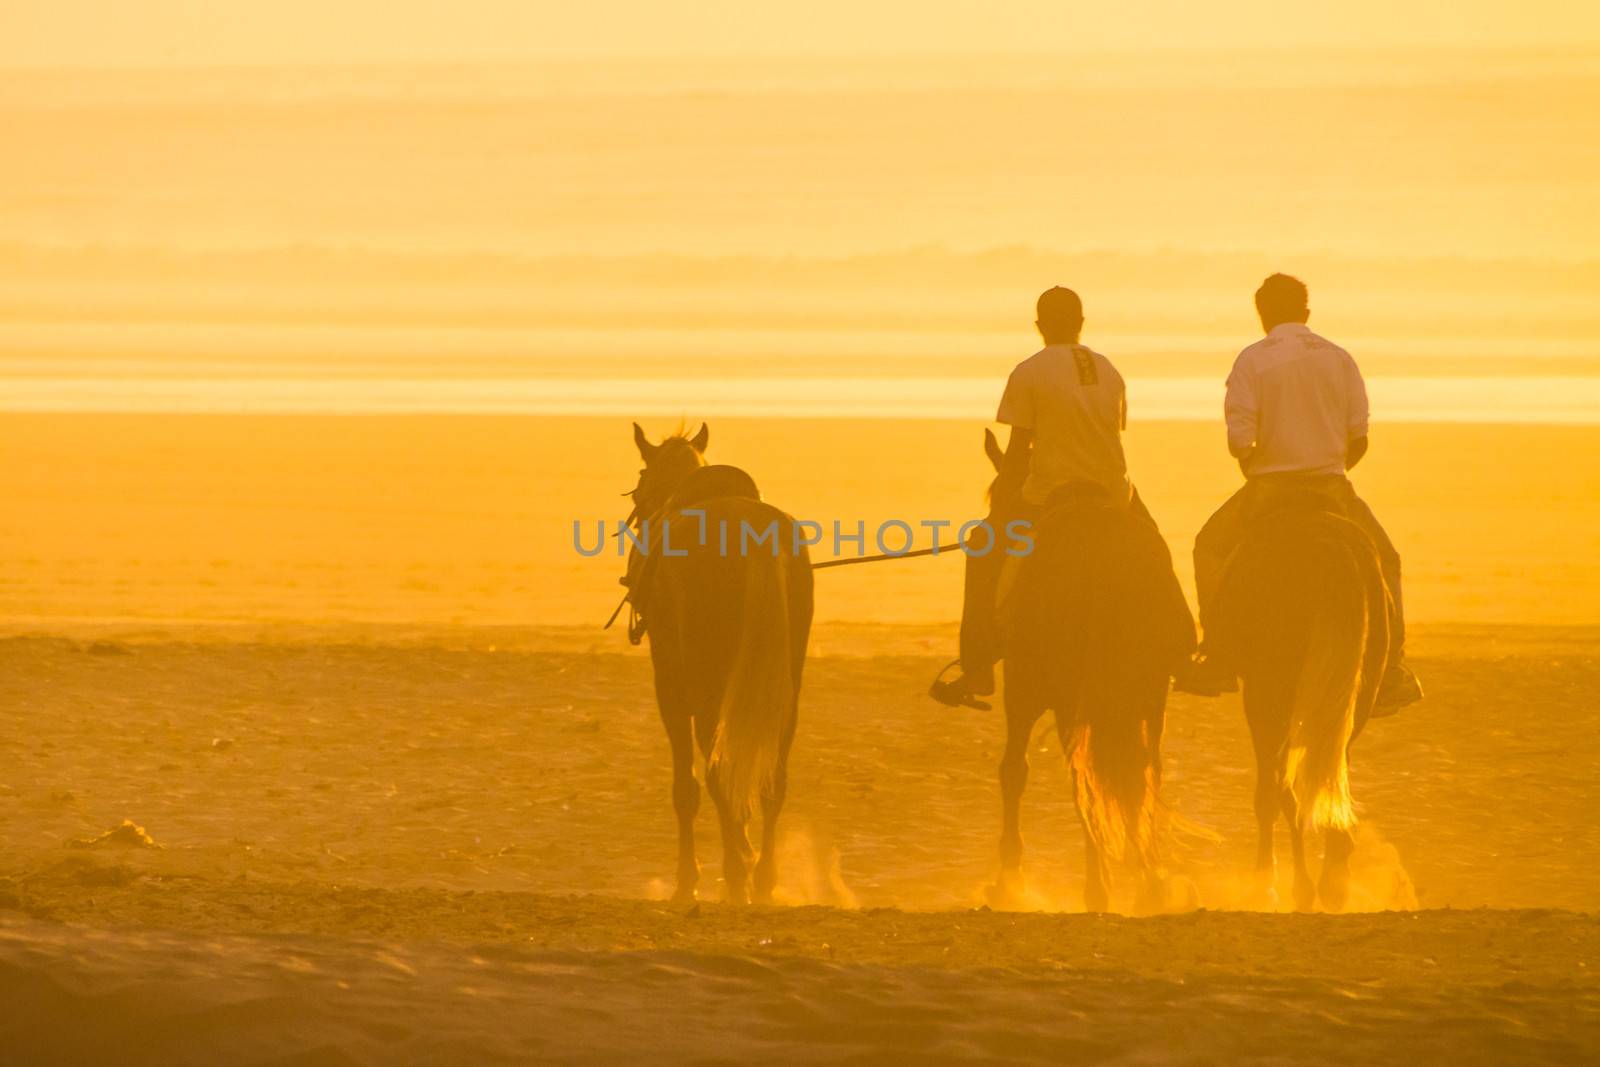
<point x="726" y="597"/>
<point x="1304" y="615"/>
<point x="1092" y="630"/>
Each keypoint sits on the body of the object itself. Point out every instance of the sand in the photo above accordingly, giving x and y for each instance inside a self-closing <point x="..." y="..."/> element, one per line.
<point x="432" y="824"/>
<point x="386" y="844"/>
<point x="776" y="986"/>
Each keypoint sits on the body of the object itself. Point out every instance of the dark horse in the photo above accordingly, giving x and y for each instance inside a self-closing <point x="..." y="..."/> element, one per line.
<point x="725" y="595"/>
<point x="1092" y="630"/>
<point x="1304" y="614"/>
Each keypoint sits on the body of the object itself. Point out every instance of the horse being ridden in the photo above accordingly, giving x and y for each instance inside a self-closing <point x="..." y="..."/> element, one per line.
<point x="1094" y="623"/>
<point x="1305" y="615"/>
<point x="728" y="611"/>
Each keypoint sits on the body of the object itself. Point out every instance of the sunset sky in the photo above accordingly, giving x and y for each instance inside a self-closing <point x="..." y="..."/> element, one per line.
<point x="562" y="207"/>
<point x="155" y="32"/>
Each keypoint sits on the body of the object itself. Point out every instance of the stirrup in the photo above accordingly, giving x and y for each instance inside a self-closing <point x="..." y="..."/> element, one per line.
<point x="955" y="694"/>
<point x="1396" y="691"/>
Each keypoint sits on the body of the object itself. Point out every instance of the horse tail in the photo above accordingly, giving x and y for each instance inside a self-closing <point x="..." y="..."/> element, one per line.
<point x="1115" y="774"/>
<point x="1115" y="748"/>
<point x="1314" y="764"/>
<point x="759" y="696"/>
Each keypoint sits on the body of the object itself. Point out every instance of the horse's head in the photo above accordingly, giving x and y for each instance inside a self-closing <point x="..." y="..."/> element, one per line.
<point x="666" y="465"/>
<point x="1005" y="492"/>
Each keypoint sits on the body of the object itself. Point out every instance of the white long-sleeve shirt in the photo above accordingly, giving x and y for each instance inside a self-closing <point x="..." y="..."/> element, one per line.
<point x="1298" y="400"/>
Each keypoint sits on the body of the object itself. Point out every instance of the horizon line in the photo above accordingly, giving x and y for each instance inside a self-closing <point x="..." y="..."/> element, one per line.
<point x="747" y="56"/>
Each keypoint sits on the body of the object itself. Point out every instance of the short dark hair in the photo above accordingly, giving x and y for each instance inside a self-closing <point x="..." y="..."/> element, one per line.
<point x="1283" y="298"/>
<point x="1060" y="306"/>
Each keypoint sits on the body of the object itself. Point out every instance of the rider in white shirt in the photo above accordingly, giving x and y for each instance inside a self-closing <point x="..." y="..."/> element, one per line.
<point x="1296" y="410"/>
<point x="1067" y="407"/>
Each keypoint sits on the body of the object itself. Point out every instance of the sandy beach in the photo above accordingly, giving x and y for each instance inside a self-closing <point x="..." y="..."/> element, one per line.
<point x="379" y="843"/>
<point x="433" y="827"/>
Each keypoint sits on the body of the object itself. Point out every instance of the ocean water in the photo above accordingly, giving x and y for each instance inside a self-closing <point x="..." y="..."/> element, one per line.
<point x="1571" y="400"/>
<point x="824" y="237"/>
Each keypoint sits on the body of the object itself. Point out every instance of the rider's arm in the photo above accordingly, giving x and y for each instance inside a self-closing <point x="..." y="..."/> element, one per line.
<point x="1239" y="408"/>
<point x="1017" y="412"/>
<point x="1356" y="418"/>
<point x="1018" y="449"/>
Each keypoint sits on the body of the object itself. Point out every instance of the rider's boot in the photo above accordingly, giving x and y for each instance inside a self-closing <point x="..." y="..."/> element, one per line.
<point x="964" y="690"/>
<point x="1399" y="689"/>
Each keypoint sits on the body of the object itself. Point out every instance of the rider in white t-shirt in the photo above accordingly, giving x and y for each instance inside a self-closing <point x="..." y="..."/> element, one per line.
<point x="1296" y="410"/>
<point x="1067" y="408"/>
<point x="1070" y="402"/>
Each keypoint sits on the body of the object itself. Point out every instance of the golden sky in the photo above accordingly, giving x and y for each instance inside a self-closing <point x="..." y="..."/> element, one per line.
<point x="159" y="32"/>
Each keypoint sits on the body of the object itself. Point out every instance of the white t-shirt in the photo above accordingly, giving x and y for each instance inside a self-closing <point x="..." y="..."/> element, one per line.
<point x="1298" y="399"/>
<point x="1074" y="401"/>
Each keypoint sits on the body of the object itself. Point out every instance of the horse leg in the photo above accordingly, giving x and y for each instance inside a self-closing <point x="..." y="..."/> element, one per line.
<point x="1267" y="793"/>
<point x="1096" y="870"/>
<point x="1013" y="780"/>
<point x="766" y="875"/>
<point x="1153" y="894"/>
<point x="1305" y="890"/>
<point x="1096" y="873"/>
<point x="1334" y="885"/>
<point x="736" y="851"/>
<point x="685" y="801"/>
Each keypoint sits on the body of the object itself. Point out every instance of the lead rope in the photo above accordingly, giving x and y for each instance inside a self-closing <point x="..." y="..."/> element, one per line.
<point x="636" y="624"/>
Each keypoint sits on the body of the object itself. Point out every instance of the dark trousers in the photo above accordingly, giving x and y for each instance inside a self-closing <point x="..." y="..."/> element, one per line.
<point x="980" y="624"/>
<point x="1222" y="533"/>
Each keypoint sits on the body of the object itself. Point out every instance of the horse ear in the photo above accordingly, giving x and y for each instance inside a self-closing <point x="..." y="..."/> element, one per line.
<point x="646" y="449"/>
<point x="700" y="438"/>
<point x="991" y="448"/>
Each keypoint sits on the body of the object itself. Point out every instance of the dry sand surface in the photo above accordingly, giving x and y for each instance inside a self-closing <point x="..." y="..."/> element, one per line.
<point x="450" y="845"/>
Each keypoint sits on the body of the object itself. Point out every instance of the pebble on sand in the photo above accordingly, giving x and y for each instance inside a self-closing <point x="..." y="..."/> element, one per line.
<point x="129" y="835"/>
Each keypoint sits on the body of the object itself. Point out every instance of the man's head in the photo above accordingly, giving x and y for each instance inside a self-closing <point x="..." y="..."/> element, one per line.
<point x="1282" y="299"/>
<point x="1060" y="318"/>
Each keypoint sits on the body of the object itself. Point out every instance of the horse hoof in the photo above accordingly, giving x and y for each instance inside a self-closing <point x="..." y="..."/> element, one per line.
<point x="684" y="896"/>
<point x="1152" y="897"/>
<point x="1305" y="898"/>
<point x="762" y="894"/>
<point x="1004" y="894"/>
<point x="1179" y="895"/>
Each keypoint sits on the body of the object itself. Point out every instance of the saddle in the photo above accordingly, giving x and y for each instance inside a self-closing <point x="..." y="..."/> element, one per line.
<point x="1282" y="496"/>
<point x="1273" y="493"/>
<point x="1073" y="496"/>
<point x="1115" y="535"/>
<point x="710" y="482"/>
